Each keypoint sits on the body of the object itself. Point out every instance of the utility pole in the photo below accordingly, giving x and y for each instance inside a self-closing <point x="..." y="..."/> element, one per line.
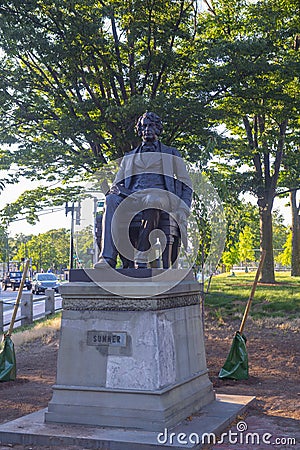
<point x="95" y="250"/>
<point x="73" y="209"/>
<point x="98" y="214"/>
<point x="72" y="238"/>
<point x="40" y="256"/>
<point x="71" y="253"/>
<point x="76" y="216"/>
<point x="7" y="250"/>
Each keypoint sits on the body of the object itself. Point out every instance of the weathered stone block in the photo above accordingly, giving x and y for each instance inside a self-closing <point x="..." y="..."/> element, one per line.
<point x="130" y="361"/>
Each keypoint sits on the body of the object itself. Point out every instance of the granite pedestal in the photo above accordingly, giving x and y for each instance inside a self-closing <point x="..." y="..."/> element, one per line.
<point x="133" y="361"/>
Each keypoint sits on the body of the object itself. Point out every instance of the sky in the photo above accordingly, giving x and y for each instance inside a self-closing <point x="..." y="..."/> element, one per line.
<point x="47" y="220"/>
<point x="54" y="220"/>
<point x="280" y="204"/>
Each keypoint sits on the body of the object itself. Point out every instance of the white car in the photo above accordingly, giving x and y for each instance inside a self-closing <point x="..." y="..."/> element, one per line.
<point x="43" y="281"/>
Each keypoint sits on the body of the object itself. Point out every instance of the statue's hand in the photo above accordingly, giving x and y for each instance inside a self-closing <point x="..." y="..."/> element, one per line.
<point x="158" y="199"/>
<point x="120" y="190"/>
<point x="114" y="190"/>
<point x="181" y="218"/>
<point x="182" y="215"/>
<point x="182" y="221"/>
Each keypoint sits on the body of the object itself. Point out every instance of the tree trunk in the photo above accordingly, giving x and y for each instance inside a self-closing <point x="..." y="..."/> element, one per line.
<point x="295" y="268"/>
<point x="266" y="243"/>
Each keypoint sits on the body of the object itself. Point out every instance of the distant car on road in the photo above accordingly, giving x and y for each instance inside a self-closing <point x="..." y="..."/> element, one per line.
<point x="42" y="281"/>
<point x="13" y="279"/>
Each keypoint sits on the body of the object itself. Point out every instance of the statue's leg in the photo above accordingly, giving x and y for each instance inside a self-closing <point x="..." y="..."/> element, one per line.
<point x="175" y="252"/>
<point x="167" y="253"/>
<point x="149" y="223"/>
<point x="109" y="252"/>
<point x="133" y="236"/>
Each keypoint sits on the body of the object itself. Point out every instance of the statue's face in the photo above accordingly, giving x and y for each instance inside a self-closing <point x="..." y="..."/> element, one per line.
<point x="148" y="130"/>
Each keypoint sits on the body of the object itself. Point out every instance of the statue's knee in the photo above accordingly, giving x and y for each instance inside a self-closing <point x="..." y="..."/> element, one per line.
<point x="112" y="200"/>
<point x="148" y="200"/>
<point x="155" y="201"/>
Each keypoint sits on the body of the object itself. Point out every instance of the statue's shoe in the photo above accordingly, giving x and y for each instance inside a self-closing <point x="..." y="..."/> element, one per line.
<point x="141" y="266"/>
<point x="105" y="263"/>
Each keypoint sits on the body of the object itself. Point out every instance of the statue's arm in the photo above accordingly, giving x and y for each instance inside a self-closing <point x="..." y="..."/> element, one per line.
<point x="119" y="178"/>
<point x="183" y="177"/>
<point x="118" y="186"/>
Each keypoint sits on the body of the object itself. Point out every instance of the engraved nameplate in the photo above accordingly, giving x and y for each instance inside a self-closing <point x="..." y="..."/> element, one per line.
<point x="111" y="338"/>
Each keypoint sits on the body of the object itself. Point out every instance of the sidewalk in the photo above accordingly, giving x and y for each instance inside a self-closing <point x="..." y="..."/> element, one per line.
<point x="258" y="431"/>
<point x="252" y="431"/>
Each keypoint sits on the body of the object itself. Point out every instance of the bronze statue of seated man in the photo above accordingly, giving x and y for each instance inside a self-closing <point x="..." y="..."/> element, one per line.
<point x="152" y="181"/>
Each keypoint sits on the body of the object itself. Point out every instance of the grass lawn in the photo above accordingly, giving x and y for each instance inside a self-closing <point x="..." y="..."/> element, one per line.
<point x="225" y="301"/>
<point x="228" y="295"/>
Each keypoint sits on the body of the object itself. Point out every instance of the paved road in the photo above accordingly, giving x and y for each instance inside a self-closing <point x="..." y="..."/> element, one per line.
<point x="9" y="298"/>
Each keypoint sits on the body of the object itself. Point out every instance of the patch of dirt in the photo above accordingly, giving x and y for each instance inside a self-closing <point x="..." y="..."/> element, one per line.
<point x="274" y="363"/>
<point x="36" y="372"/>
<point x="274" y="376"/>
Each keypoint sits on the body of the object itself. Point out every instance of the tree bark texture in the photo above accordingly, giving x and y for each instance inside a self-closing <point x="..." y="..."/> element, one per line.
<point x="295" y="267"/>
<point x="266" y="243"/>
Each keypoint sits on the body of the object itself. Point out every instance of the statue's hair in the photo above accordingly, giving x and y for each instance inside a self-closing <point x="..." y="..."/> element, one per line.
<point x="154" y="118"/>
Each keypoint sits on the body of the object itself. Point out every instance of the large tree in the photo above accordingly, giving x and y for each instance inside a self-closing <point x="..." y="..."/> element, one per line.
<point x="290" y="178"/>
<point x="295" y="257"/>
<point x="46" y="250"/>
<point x="4" y="254"/>
<point x="76" y="75"/>
<point x="251" y="50"/>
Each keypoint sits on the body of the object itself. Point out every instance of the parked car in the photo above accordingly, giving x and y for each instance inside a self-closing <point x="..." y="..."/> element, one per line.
<point x="13" y="279"/>
<point x="42" y="281"/>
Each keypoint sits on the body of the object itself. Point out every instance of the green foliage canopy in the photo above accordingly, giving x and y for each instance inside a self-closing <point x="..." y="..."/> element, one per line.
<point x="76" y="75"/>
<point x="248" y="48"/>
<point x="46" y="250"/>
<point x="251" y="51"/>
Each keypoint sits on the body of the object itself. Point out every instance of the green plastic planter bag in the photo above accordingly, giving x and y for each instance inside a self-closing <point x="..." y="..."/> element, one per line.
<point x="7" y="360"/>
<point x="236" y="364"/>
<point x="8" y="369"/>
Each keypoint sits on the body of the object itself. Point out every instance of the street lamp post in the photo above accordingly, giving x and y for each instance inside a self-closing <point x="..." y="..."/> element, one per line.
<point x="71" y="263"/>
<point x="72" y="209"/>
<point x="7" y="250"/>
<point x="40" y="256"/>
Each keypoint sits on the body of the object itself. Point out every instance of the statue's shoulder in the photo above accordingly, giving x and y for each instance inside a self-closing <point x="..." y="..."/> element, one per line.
<point x="131" y="152"/>
<point x="170" y="150"/>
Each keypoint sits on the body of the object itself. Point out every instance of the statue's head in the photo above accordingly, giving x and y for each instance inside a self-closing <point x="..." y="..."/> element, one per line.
<point x="149" y="117"/>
